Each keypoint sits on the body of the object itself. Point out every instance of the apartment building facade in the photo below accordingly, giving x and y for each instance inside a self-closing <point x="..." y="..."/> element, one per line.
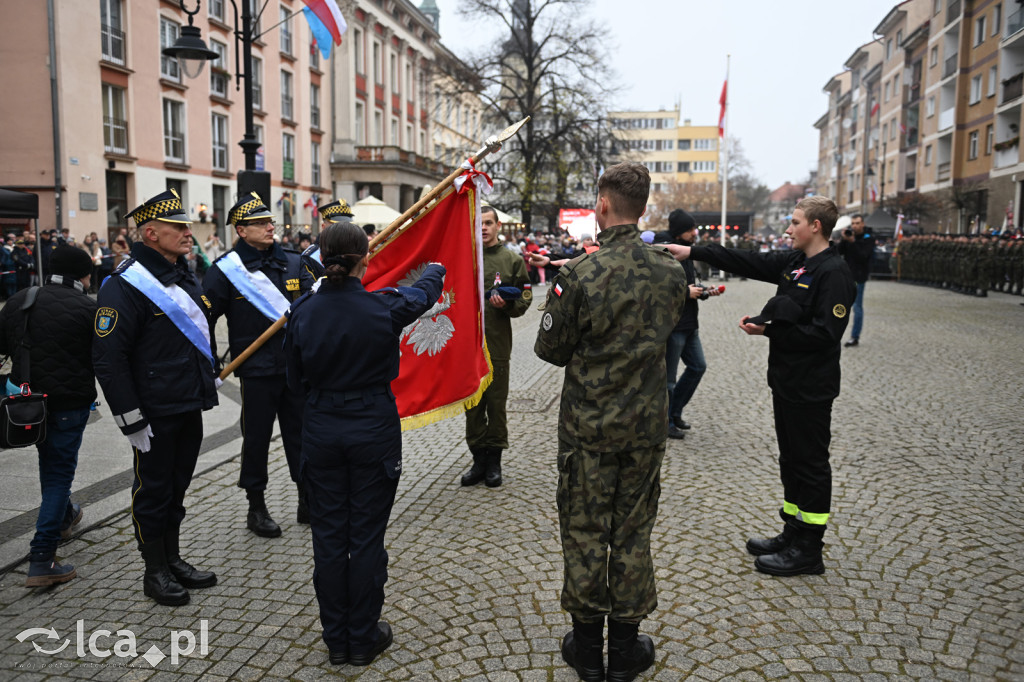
<point x="925" y="118"/>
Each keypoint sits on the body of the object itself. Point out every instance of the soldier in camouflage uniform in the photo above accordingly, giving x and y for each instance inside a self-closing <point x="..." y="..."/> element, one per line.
<point x="607" y="318"/>
<point x="509" y="295"/>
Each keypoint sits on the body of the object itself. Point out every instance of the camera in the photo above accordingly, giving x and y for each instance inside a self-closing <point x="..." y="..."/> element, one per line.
<point x="848" y="232"/>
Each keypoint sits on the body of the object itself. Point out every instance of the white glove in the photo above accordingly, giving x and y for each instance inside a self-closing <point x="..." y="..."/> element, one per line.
<point x="140" y="439"/>
<point x="217" y="382"/>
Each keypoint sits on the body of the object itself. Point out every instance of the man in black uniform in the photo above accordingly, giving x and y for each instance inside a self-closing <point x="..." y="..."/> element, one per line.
<point x="253" y="284"/>
<point x="154" y="362"/>
<point x="336" y="211"/>
<point x="804" y="324"/>
<point x="857" y="248"/>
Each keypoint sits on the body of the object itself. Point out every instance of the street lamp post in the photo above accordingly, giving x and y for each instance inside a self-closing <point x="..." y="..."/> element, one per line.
<point x="192" y="53"/>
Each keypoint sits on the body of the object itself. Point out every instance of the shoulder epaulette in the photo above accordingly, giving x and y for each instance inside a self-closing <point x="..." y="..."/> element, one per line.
<point x="386" y="290"/>
<point x="122" y="267"/>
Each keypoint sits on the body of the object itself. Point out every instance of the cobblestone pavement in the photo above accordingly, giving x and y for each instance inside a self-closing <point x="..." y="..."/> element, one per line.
<point x="923" y="556"/>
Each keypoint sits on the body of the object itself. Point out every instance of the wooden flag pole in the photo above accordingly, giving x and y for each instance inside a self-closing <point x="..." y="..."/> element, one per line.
<point x="491" y="145"/>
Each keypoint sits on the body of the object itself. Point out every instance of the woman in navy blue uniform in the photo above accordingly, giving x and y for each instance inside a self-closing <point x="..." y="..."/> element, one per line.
<point x="342" y="348"/>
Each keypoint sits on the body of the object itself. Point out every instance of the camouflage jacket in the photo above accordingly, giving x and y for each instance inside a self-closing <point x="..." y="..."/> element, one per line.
<point x="506" y="269"/>
<point x="606" y="319"/>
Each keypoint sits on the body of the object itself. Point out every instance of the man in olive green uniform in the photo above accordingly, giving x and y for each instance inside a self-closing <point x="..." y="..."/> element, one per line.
<point x="607" y="318"/>
<point x="508" y="294"/>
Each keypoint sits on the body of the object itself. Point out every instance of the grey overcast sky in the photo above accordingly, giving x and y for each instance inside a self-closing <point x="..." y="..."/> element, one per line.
<point x="783" y="53"/>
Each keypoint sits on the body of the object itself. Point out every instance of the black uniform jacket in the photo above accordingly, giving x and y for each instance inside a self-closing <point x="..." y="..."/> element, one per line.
<point x="344" y="338"/>
<point x="312" y="269"/>
<point x="245" y="322"/>
<point x="803" y="358"/>
<point x="60" y="324"/>
<point x="145" y="365"/>
<point x="688" y="321"/>
<point x="858" y="255"/>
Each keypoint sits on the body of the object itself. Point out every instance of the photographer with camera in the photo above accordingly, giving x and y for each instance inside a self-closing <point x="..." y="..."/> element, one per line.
<point x="684" y="341"/>
<point x="857" y="248"/>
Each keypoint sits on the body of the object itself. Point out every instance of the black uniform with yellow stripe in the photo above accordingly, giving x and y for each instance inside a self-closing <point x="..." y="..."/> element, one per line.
<point x="152" y="375"/>
<point x="262" y="376"/>
<point x="803" y="363"/>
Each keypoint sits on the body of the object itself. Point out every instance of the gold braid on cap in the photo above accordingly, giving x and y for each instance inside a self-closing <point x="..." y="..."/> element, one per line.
<point x="145" y="213"/>
<point x="340" y="208"/>
<point x="239" y="213"/>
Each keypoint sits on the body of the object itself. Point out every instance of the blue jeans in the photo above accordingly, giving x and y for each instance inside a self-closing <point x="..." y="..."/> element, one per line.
<point x="858" y="311"/>
<point x="58" y="459"/>
<point x="683" y="346"/>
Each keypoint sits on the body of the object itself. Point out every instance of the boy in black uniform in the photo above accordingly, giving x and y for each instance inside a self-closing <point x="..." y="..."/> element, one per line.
<point x="253" y="284"/>
<point x="804" y="324"/>
<point x="336" y="211"/>
<point x="154" y="362"/>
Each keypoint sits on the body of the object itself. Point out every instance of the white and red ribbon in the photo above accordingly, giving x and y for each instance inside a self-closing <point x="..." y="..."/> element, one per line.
<point x="481" y="180"/>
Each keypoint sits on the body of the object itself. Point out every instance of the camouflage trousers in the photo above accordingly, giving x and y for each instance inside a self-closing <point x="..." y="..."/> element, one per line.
<point x="607" y="505"/>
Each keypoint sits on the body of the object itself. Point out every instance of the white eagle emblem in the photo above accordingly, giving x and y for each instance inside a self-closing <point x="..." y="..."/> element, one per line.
<point x="432" y="331"/>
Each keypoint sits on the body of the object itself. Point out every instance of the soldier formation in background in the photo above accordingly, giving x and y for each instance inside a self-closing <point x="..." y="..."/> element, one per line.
<point x="972" y="265"/>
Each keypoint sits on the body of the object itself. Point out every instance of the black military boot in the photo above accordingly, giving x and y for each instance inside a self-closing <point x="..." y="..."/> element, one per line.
<point x="302" y="512"/>
<point x="803" y="556"/>
<point x="492" y="474"/>
<point x="258" y="520"/>
<point x="583" y="650"/>
<point x="185" y="573"/>
<point x="762" y="546"/>
<point x="158" y="582"/>
<point x="629" y="653"/>
<point x="476" y="472"/>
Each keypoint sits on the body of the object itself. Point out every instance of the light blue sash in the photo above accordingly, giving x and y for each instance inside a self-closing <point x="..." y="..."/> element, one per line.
<point x="256" y="287"/>
<point x="315" y="254"/>
<point x="176" y="304"/>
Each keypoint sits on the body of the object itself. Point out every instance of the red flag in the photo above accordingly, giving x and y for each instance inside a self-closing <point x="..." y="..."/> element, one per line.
<point x="874" y="109"/>
<point x="445" y="367"/>
<point x="721" y="114"/>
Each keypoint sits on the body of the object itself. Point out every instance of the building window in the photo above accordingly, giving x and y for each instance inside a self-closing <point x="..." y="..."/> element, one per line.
<point x="972" y="145"/>
<point x="408" y="136"/>
<point x="314" y="106"/>
<point x="684" y="145"/>
<point x="219" y="137"/>
<point x="933" y="56"/>
<point x="219" y="70"/>
<point x="174" y="131"/>
<point x="928" y="155"/>
<point x="357" y="47"/>
<point x="286" y="96"/>
<point x="394" y="74"/>
<point x="684" y="166"/>
<point x="168" y="34"/>
<point x="254" y="12"/>
<point x="704" y="166"/>
<point x="997" y="18"/>
<point x="377" y="75"/>
<point x="314" y="154"/>
<point x="394" y="133"/>
<point x="899" y="38"/>
<point x="929" y="107"/>
<point x="979" y="30"/>
<point x="111" y="33"/>
<point x="990" y="134"/>
<point x="215" y="8"/>
<point x="888" y="49"/>
<point x="286" y="30"/>
<point x="360" y="124"/>
<point x="409" y="90"/>
<point x="288" y="156"/>
<point x="314" y="53"/>
<point x="975" y="90"/>
<point x="992" y="76"/>
<point x="937" y="7"/>
<point x="378" y="127"/>
<point x="257" y="83"/>
<point x="892" y="130"/>
<point x="115" y="127"/>
<point x="706" y="144"/>
<point x="423" y="143"/>
<point x="885" y="90"/>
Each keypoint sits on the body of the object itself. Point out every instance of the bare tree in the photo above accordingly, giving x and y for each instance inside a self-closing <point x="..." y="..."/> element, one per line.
<point x="551" y="67"/>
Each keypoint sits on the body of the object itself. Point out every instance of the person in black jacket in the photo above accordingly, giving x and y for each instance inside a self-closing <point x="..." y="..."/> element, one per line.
<point x="804" y="324"/>
<point x="253" y="285"/>
<point x="342" y="352"/>
<point x="857" y="248"/>
<point x="336" y="211"/>
<point x="154" y="362"/>
<point x="59" y="340"/>
<point x="684" y="341"/>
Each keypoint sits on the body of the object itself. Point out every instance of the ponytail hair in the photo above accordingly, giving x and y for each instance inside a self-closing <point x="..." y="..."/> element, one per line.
<point x="343" y="245"/>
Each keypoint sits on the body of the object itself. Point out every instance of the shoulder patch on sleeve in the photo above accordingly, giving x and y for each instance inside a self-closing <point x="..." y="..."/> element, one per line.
<point x="106" y="320"/>
<point x="839" y="310"/>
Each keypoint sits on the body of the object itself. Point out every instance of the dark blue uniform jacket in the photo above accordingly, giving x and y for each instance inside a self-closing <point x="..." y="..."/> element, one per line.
<point x="803" y="358"/>
<point x="245" y="322"/>
<point x="145" y="365"/>
<point x="344" y="338"/>
<point x="312" y="268"/>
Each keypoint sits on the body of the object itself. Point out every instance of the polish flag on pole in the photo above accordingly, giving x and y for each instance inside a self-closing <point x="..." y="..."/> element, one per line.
<point x="329" y="15"/>
<point x="898" y="232"/>
<point x="721" y="114"/>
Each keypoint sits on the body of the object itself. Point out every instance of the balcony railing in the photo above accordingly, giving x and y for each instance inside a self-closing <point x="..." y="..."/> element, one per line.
<point x="947" y="118"/>
<point x="1014" y="23"/>
<point x="112" y="40"/>
<point x="1012" y="88"/>
<point x="392" y="154"/>
<point x="943" y="171"/>
<point x="1007" y="157"/>
<point x="115" y="135"/>
<point x="952" y="12"/>
<point x="949" y="68"/>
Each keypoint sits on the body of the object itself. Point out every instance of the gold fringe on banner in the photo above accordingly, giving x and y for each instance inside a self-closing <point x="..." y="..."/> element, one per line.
<point x="455" y="409"/>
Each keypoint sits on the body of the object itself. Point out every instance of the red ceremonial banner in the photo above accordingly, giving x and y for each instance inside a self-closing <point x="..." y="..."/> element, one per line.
<point x="445" y="367"/>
